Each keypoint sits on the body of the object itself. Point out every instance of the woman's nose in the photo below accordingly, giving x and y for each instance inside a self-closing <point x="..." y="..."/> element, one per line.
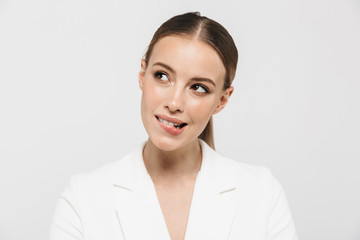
<point x="175" y="100"/>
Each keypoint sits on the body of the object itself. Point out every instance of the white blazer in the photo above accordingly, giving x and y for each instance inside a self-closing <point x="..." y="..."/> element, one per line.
<point x="118" y="201"/>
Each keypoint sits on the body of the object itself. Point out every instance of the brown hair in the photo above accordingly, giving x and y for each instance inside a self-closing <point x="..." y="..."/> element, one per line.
<point x="210" y="32"/>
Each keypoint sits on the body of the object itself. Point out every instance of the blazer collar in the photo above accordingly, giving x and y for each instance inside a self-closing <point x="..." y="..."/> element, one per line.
<point x="212" y="208"/>
<point x="131" y="172"/>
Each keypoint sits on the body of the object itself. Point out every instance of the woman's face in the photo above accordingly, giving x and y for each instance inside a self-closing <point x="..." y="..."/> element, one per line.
<point x="182" y="87"/>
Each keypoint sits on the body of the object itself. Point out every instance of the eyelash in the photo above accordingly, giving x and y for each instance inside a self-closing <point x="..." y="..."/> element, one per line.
<point x="159" y="75"/>
<point x="201" y="86"/>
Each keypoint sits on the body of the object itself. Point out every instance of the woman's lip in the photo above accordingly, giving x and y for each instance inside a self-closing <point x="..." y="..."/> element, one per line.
<point x="170" y="119"/>
<point x="170" y="129"/>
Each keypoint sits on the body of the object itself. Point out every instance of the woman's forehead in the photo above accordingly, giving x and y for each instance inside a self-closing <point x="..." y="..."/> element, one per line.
<point x="188" y="54"/>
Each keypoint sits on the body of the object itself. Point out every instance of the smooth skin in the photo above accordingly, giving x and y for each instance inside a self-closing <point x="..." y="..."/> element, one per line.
<point x="183" y="79"/>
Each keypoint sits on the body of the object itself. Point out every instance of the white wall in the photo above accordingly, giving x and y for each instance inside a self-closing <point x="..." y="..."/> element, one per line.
<point x="69" y="101"/>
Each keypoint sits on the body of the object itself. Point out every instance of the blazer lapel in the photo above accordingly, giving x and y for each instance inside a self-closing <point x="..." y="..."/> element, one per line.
<point x="136" y="203"/>
<point x="213" y="207"/>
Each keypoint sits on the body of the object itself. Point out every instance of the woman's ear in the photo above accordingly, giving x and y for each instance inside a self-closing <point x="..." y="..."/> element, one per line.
<point x="142" y="73"/>
<point x="224" y="99"/>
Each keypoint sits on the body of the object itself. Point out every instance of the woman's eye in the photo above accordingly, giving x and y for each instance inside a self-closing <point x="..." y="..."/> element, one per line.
<point x="199" y="88"/>
<point x="161" y="76"/>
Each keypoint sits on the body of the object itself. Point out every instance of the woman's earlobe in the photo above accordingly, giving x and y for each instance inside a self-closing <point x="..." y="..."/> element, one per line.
<point x="142" y="73"/>
<point x="224" y="99"/>
<point x="143" y="64"/>
<point x="140" y="78"/>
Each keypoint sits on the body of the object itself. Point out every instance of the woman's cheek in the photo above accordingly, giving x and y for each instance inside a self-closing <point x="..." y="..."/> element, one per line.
<point x="152" y="92"/>
<point x="202" y="107"/>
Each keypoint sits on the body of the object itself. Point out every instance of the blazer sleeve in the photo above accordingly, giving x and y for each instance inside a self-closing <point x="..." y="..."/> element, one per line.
<point x="280" y="223"/>
<point x="66" y="224"/>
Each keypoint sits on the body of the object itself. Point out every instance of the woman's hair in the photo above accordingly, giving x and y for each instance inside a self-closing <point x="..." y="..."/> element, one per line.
<point x="212" y="33"/>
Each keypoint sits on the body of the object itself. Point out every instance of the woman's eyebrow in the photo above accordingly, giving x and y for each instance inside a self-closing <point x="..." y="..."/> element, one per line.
<point x="165" y="66"/>
<point x="194" y="79"/>
<point x="200" y="79"/>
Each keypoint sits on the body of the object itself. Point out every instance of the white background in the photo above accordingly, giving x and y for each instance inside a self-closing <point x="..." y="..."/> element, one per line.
<point x="69" y="101"/>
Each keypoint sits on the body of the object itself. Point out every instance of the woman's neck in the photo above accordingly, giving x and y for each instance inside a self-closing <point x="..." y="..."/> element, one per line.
<point x="182" y="162"/>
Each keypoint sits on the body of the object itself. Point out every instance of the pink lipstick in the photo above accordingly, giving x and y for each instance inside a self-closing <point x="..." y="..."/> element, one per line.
<point x="171" y="125"/>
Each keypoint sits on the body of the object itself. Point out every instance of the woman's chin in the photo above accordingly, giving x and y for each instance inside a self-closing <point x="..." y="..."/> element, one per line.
<point x="166" y="144"/>
<point x="169" y="145"/>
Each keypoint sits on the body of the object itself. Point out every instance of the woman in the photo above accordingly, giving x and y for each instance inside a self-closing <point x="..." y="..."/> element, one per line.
<point x="175" y="186"/>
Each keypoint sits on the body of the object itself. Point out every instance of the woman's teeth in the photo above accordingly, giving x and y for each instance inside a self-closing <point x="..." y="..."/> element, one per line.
<point x="178" y="126"/>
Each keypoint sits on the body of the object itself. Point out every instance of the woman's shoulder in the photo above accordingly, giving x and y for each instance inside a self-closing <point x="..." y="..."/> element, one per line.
<point x="252" y="175"/>
<point x="260" y="198"/>
<point x="256" y="176"/>
<point x="248" y="169"/>
<point x="235" y="168"/>
<point x="101" y="178"/>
